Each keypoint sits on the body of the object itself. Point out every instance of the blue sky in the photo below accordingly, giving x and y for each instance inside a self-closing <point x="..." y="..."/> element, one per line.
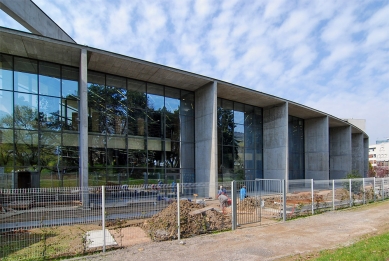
<point x="329" y="55"/>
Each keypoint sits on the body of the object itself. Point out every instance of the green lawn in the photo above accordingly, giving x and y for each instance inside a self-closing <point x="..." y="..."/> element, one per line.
<point x="372" y="248"/>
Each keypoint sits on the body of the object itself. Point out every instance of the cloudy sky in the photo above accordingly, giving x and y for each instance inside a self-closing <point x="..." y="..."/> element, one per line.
<point x="329" y="55"/>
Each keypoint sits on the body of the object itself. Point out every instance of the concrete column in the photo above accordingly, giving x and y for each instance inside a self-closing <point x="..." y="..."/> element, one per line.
<point x="366" y="157"/>
<point x="316" y="139"/>
<point x="275" y="142"/>
<point x="206" y="136"/>
<point x="83" y="125"/>
<point x="340" y="152"/>
<point x="358" y="153"/>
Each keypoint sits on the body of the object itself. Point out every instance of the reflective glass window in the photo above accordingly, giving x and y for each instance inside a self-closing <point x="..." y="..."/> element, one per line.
<point x="6" y="109"/>
<point x="49" y="79"/>
<point x="97" y="102"/>
<point x="6" y="65"/>
<point x="26" y="149"/>
<point x="136" y="94"/>
<point x="25" y="75"/>
<point x="49" y="113"/>
<point x="116" y="105"/>
<point x="155" y="126"/>
<point x="187" y="103"/>
<point x="26" y="111"/>
<point x="7" y="145"/>
<point x="50" y="148"/>
<point x="70" y="81"/>
<point x="238" y="113"/>
<point x="155" y="98"/>
<point x="69" y="114"/>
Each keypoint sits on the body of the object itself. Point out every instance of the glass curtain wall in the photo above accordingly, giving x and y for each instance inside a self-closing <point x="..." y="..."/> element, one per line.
<point x="139" y="132"/>
<point x="38" y="130"/>
<point x="296" y="148"/>
<point x="240" y="131"/>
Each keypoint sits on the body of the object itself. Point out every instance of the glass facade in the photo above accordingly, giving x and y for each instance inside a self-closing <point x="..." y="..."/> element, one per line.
<point x="37" y="131"/>
<point x="296" y="148"/>
<point x="240" y="129"/>
<point x="137" y="130"/>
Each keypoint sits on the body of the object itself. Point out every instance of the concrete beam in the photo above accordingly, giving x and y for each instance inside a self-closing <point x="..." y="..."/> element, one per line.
<point x="34" y="19"/>
<point x="275" y="142"/>
<point x="340" y="152"/>
<point x="206" y="136"/>
<point x="316" y="139"/>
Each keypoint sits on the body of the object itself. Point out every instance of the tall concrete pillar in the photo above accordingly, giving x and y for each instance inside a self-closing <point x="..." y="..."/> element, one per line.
<point x="83" y="125"/>
<point x="316" y="139"/>
<point x="366" y="157"/>
<point x="340" y="152"/>
<point x="206" y="136"/>
<point x="358" y="153"/>
<point x="275" y="142"/>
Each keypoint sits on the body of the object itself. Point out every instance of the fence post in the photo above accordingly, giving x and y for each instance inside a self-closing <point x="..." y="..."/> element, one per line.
<point x="178" y="213"/>
<point x="363" y="185"/>
<point x="350" y="192"/>
<point x="312" y="199"/>
<point x="283" y="188"/>
<point x="103" y="214"/>
<point x="333" y="194"/>
<point x="233" y="205"/>
<point x="374" y="188"/>
<point x="382" y="185"/>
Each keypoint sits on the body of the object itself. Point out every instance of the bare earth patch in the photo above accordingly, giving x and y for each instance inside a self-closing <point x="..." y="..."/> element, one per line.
<point x="291" y="240"/>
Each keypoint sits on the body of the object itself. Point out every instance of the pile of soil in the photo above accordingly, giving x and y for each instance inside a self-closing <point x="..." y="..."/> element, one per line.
<point x="163" y="226"/>
<point x="249" y="204"/>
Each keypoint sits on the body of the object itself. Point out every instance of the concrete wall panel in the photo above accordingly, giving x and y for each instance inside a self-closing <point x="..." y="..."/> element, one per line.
<point x="206" y="136"/>
<point x="340" y="152"/>
<point x="358" y="153"/>
<point x="366" y="157"/>
<point x="316" y="139"/>
<point x="275" y="142"/>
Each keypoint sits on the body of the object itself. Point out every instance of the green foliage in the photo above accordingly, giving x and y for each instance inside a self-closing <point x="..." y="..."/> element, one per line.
<point x="356" y="186"/>
<point x="373" y="248"/>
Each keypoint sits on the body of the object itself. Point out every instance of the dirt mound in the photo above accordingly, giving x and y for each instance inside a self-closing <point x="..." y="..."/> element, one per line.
<point x="248" y="204"/>
<point x="163" y="226"/>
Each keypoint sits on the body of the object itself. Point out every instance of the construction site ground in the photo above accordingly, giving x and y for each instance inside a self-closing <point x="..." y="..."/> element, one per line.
<point x="296" y="239"/>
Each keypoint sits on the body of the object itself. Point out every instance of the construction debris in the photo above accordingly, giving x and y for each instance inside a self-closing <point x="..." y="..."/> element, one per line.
<point x="163" y="226"/>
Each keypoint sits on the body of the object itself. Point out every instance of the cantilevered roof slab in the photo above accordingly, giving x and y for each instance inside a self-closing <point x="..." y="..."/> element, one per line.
<point x="145" y="71"/>
<point x="244" y="95"/>
<point x="38" y="47"/>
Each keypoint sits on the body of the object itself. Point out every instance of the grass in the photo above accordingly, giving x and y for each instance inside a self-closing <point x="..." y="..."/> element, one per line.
<point x="372" y="248"/>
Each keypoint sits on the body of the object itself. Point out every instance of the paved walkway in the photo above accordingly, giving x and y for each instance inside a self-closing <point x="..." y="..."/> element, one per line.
<point x="270" y="242"/>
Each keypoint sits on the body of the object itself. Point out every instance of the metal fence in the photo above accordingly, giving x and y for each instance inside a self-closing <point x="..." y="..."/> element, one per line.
<point x="256" y="201"/>
<point x="308" y="197"/>
<point x="53" y="222"/>
<point x="33" y="220"/>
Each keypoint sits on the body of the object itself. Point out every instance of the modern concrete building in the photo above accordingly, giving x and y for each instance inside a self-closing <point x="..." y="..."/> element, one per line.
<point x="72" y="110"/>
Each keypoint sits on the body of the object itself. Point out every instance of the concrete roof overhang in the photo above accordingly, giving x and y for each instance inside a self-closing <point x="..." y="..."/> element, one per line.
<point x="53" y="50"/>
